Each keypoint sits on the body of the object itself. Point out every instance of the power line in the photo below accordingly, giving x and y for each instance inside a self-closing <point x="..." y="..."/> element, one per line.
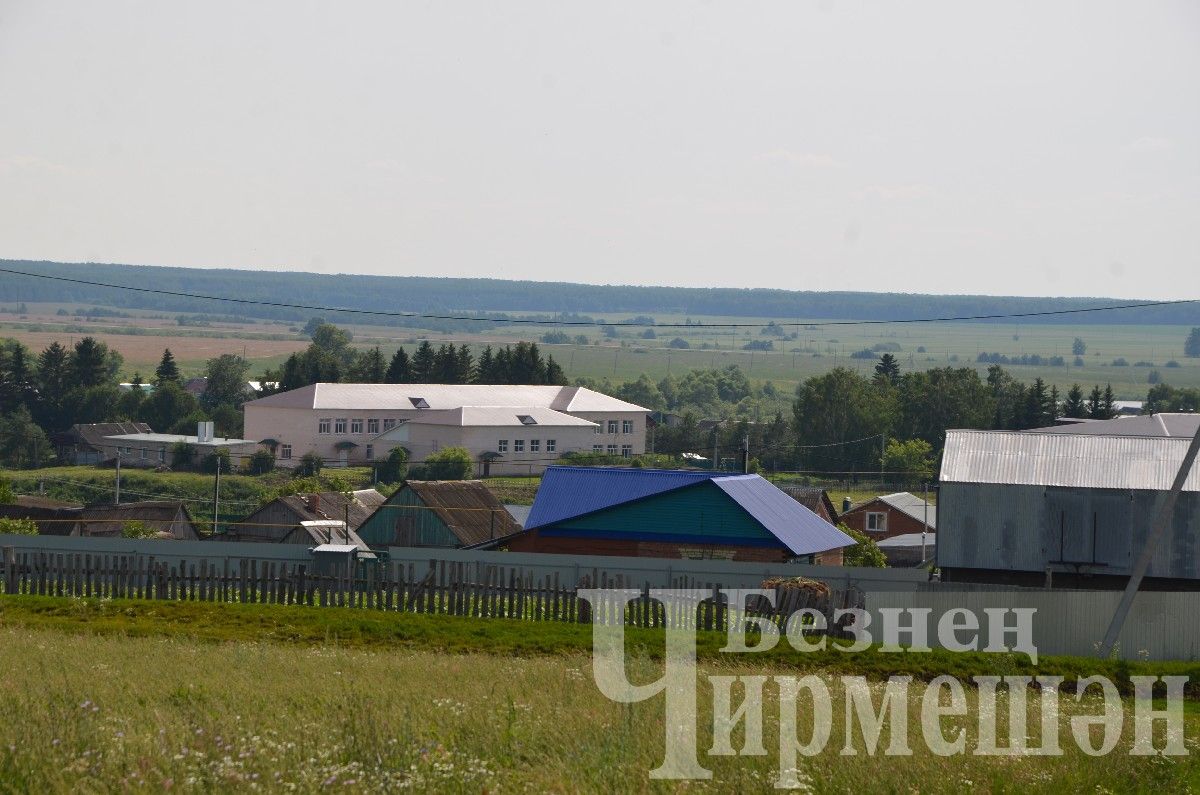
<point x="595" y="323"/>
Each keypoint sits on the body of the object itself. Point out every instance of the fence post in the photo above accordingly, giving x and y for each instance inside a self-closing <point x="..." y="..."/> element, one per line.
<point x="10" y="570"/>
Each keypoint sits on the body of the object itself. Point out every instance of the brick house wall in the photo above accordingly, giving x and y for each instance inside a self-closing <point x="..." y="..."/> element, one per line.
<point x="566" y="545"/>
<point x="898" y="522"/>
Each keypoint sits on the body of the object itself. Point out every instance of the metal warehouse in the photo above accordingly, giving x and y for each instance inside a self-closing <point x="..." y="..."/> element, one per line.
<point x="1065" y="509"/>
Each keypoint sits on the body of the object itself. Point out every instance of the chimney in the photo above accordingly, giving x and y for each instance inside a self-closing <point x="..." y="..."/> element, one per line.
<point x="204" y="432"/>
<point x="314" y="502"/>
<point x="846" y="504"/>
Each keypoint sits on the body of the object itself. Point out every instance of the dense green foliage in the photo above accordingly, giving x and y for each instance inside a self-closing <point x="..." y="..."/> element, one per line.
<point x="18" y="527"/>
<point x="865" y="553"/>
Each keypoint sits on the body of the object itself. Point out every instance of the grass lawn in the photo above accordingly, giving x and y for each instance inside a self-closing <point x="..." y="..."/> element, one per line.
<point x="135" y="696"/>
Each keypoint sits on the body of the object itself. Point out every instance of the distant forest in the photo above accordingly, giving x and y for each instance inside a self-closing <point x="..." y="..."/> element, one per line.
<point x="493" y="297"/>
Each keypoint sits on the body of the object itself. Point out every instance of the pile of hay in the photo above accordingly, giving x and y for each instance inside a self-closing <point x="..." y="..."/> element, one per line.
<point x="814" y="589"/>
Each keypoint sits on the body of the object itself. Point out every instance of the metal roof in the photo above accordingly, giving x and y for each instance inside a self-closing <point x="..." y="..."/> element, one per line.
<point x="499" y="416"/>
<point x="442" y="396"/>
<point x="174" y="438"/>
<point x="1065" y="459"/>
<point x="569" y="492"/>
<point x="468" y="508"/>
<point x="1165" y="424"/>
<point x="912" y="506"/>
<point x="798" y="528"/>
<point x="907" y="540"/>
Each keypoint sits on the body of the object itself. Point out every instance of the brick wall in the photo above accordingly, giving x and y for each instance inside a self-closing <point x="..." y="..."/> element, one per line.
<point x="898" y="523"/>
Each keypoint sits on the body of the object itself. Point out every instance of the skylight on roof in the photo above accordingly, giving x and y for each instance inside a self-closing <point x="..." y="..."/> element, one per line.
<point x="526" y="419"/>
<point x="419" y="402"/>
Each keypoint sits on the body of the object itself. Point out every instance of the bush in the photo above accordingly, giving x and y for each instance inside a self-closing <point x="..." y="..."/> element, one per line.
<point x="183" y="455"/>
<point x="865" y="353"/>
<point x="6" y="493"/>
<point x="395" y="466"/>
<point x="865" y="553"/>
<point x="310" y="464"/>
<point x="260" y="463"/>
<point x="218" y="458"/>
<point x="18" y="527"/>
<point x="135" y="528"/>
<point x="1119" y="363"/>
<point x="1172" y="363"/>
<point x="451" y="463"/>
<point x="679" y="342"/>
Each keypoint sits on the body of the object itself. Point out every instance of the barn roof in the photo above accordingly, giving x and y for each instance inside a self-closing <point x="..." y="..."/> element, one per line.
<point x="1164" y="424"/>
<point x="570" y="492"/>
<point x="107" y="519"/>
<point x="812" y="498"/>
<point x="468" y="508"/>
<point x="1065" y="459"/>
<point x="353" y="509"/>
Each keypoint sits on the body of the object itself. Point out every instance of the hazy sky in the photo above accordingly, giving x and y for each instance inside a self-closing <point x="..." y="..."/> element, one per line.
<point x="1022" y="148"/>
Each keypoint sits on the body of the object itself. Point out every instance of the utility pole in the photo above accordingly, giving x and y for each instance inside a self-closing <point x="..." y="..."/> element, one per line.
<point x="746" y="454"/>
<point x="925" y="528"/>
<point x="1161" y="520"/>
<point x="716" y="464"/>
<point x="216" y="494"/>
<point x="117" y="490"/>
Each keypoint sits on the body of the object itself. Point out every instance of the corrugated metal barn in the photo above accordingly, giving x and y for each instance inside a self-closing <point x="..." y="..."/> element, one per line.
<point x="1024" y="508"/>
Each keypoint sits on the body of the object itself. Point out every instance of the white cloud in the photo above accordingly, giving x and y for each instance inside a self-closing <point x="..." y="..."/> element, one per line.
<point x="800" y="159"/>
<point x="1150" y="143"/>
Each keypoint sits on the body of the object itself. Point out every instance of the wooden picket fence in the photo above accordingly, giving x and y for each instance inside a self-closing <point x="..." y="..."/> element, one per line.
<point x="444" y="587"/>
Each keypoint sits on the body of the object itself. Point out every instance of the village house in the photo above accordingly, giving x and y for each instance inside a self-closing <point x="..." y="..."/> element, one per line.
<point x="87" y="443"/>
<point x="169" y="519"/>
<point x="1068" y="509"/>
<point x="892" y="515"/>
<point x="674" y="514"/>
<point x="815" y="499"/>
<point x="439" y="513"/>
<point x="328" y="517"/>
<point x="53" y="517"/>
<point x="507" y="429"/>
<point x="146" y="449"/>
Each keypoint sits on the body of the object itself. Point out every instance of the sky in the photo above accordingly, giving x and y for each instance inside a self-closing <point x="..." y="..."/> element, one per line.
<point x="1009" y="148"/>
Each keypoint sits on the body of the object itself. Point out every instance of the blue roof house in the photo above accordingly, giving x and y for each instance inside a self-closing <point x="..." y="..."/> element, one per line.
<point x="674" y="514"/>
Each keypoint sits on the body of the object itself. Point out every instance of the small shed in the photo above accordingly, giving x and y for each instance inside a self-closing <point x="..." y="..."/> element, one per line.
<point x="440" y="513"/>
<point x="910" y="549"/>
<point x="168" y="518"/>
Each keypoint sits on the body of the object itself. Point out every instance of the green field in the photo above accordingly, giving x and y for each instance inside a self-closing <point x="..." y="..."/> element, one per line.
<point x="140" y="697"/>
<point x="814" y="351"/>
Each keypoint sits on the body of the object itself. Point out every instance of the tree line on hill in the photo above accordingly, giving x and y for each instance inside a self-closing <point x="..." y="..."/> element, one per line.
<point x="493" y="297"/>
<point x="330" y="358"/>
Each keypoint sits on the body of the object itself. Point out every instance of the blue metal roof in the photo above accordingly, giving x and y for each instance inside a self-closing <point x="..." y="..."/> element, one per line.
<point x="570" y="492"/>
<point x="567" y="492"/>
<point x="798" y="528"/>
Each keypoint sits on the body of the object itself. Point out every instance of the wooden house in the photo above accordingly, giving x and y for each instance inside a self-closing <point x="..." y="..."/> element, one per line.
<point x="440" y="513"/>
<point x="169" y="518"/>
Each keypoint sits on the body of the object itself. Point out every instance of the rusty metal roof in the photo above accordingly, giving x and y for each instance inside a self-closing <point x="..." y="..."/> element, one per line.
<point x="1065" y="459"/>
<point x="467" y="507"/>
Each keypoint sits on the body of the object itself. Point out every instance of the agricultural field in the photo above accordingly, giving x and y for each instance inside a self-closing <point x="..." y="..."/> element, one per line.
<point x="145" y="698"/>
<point x="141" y="337"/>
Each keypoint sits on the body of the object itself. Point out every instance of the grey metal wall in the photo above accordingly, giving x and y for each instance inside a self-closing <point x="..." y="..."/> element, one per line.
<point x="165" y="551"/>
<point x="659" y="572"/>
<point x="1027" y="528"/>
<point x="1160" y="626"/>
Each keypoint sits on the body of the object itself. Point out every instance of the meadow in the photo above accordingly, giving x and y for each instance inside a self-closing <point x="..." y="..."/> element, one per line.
<point x="135" y="697"/>
<point x="816" y="349"/>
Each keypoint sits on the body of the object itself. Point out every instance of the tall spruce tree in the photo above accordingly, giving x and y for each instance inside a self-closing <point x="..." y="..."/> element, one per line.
<point x="167" y="369"/>
<point x="399" y="370"/>
<point x="423" y="363"/>
<point x="1074" y="406"/>
<point x="89" y="363"/>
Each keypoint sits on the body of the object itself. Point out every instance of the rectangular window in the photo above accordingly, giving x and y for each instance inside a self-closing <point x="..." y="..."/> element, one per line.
<point x="518" y="445"/>
<point x="535" y="445"/>
<point x="612" y="426"/>
<point x="162" y="456"/>
<point x="599" y="427"/>
<point x="356" y="426"/>
<point x="373" y="426"/>
<point x="370" y="452"/>
<point x="388" y="424"/>
<point x="323" y="425"/>
<point x="285" y="452"/>
<point x="612" y="449"/>
<point x="627" y="451"/>
<point x="597" y="448"/>
<point x="877" y="522"/>
<point x="626" y="426"/>
<point x="502" y="446"/>
<point x="551" y="445"/>
<point x="339" y="425"/>
<point x="143" y="453"/>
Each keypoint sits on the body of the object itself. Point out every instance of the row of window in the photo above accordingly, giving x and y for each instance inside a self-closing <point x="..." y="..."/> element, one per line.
<point x="355" y="425"/>
<point x="626" y="426"/>
<point x="535" y="445"/>
<point x="128" y="451"/>
<point x="626" y="449"/>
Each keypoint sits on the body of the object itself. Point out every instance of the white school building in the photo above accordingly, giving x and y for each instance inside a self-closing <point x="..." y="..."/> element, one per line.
<point x="507" y="429"/>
